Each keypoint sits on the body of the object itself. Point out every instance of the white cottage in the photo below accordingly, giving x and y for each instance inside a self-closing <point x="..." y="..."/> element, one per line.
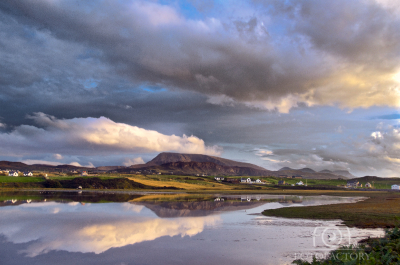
<point x="28" y="174"/>
<point x="248" y="180"/>
<point x="300" y="183"/>
<point x="395" y="187"/>
<point x="258" y="181"/>
<point x="13" y="173"/>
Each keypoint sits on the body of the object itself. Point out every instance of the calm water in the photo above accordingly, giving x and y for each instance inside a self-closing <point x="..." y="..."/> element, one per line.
<point x="94" y="228"/>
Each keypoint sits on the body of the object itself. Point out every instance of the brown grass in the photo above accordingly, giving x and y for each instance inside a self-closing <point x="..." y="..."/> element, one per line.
<point x="381" y="209"/>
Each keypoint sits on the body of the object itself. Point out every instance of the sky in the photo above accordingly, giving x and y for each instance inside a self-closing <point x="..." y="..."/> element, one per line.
<point x="274" y="83"/>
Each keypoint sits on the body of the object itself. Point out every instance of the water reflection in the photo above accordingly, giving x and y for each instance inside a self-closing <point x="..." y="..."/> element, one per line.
<point x="180" y="227"/>
<point x="55" y="226"/>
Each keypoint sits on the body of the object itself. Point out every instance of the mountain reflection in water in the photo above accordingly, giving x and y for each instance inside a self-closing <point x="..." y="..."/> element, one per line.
<point x="42" y="224"/>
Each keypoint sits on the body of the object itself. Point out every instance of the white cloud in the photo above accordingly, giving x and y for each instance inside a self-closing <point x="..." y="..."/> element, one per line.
<point x="79" y="165"/>
<point x="83" y="136"/>
<point x="135" y="161"/>
<point x="263" y="152"/>
<point x="58" y="156"/>
<point x="42" y="162"/>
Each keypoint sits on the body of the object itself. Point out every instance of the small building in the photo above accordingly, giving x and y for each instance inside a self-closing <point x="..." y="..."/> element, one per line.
<point x="353" y="184"/>
<point x="84" y="173"/>
<point x="300" y="183"/>
<point x="281" y="182"/>
<point x="248" y="180"/>
<point x="79" y="187"/>
<point x="368" y="185"/>
<point x="395" y="187"/>
<point x="28" y="174"/>
<point x="218" y="178"/>
<point x="13" y="174"/>
<point x="297" y="177"/>
<point x="283" y="176"/>
<point x="258" y="181"/>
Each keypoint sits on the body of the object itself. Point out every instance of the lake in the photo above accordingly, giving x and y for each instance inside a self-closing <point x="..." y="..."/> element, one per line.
<point x="125" y="228"/>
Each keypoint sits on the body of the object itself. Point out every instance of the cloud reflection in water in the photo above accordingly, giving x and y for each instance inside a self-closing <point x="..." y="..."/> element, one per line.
<point x="91" y="229"/>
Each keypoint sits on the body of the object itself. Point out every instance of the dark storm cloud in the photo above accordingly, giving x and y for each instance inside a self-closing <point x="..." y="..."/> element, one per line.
<point x="288" y="52"/>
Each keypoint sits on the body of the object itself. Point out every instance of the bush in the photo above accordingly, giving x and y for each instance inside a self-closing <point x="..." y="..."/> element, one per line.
<point x="52" y="184"/>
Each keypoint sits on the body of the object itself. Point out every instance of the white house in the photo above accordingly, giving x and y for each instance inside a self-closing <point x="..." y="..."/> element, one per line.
<point x="300" y="183"/>
<point x="258" y="181"/>
<point x="13" y="173"/>
<point x="248" y="180"/>
<point x="368" y="185"/>
<point x="84" y="173"/>
<point x="218" y="178"/>
<point x="28" y="174"/>
<point x="395" y="187"/>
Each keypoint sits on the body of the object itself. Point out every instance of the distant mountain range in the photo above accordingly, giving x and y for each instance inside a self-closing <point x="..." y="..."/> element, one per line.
<point x="188" y="164"/>
<point x="340" y="173"/>
<point x="38" y="167"/>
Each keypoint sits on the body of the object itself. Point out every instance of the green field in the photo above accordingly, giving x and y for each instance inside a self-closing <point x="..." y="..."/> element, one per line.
<point x="7" y="179"/>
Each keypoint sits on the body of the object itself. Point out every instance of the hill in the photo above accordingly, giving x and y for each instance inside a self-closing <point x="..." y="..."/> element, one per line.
<point x="38" y="167"/>
<point x="164" y="158"/>
<point x="307" y="170"/>
<point x="208" y="168"/>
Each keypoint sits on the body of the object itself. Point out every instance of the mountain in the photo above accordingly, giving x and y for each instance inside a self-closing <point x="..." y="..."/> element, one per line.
<point x="307" y="170"/>
<point x="325" y="171"/>
<point x="285" y="168"/>
<point x="209" y="168"/>
<point x="164" y="158"/>
<point x="343" y="173"/>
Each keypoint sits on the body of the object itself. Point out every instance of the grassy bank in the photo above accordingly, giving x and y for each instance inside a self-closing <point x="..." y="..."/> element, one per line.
<point x="381" y="209"/>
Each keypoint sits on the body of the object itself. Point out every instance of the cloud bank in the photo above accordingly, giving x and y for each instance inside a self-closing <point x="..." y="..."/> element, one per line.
<point x="91" y="136"/>
<point x="271" y="55"/>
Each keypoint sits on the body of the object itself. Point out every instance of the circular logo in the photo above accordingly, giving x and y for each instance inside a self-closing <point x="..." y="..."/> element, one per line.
<point x="332" y="236"/>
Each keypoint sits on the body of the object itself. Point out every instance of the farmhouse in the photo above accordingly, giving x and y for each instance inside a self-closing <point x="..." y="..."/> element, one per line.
<point x="353" y="184"/>
<point x="395" y="187"/>
<point x="248" y="180"/>
<point x="258" y="181"/>
<point x="281" y="182"/>
<point x="84" y="173"/>
<point x="218" y="178"/>
<point x="368" y="185"/>
<point x="300" y="183"/>
<point x="13" y="173"/>
<point x="28" y="174"/>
